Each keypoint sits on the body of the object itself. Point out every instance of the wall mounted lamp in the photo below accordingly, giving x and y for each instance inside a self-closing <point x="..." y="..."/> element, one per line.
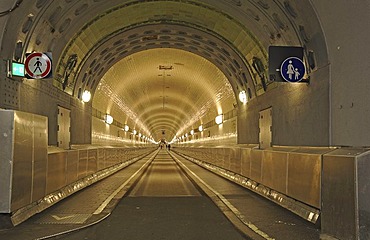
<point x="108" y="119"/>
<point x="243" y="97"/>
<point x="200" y="128"/>
<point x="219" y="119"/>
<point x="86" y="96"/>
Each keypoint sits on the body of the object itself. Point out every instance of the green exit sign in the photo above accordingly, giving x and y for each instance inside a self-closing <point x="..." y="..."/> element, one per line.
<point x="17" y="69"/>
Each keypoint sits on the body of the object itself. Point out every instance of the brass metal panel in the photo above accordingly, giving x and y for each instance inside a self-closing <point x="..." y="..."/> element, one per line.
<point x="220" y="154"/>
<point x="223" y="157"/>
<point x="39" y="179"/>
<point x="82" y="163"/>
<point x="56" y="171"/>
<point x="101" y="158"/>
<point x="235" y="160"/>
<point x="22" y="161"/>
<point x="214" y="157"/>
<point x="346" y="152"/>
<point x="204" y="155"/>
<point x="121" y="155"/>
<point x="6" y="156"/>
<point x="208" y="153"/>
<point x="304" y="178"/>
<point x="116" y="156"/>
<point x="314" y="150"/>
<point x="274" y="170"/>
<point x="210" y="157"/>
<point x="245" y="162"/>
<point x="338" y="212"/>
<point x="22" y="184"/>
<point x="24" y="173"/>
<point x="124" y="156"/>
<point x="40" y="159"/>
<point x="256" y="165"/>
<point x="110" y="156"/>
<point x="92" y="165"/>
<point x="72" y="167"/>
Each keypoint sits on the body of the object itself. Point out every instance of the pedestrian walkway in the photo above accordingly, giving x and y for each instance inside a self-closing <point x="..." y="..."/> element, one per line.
<point x="264" y="218"/>
<point x="151" y="212"/>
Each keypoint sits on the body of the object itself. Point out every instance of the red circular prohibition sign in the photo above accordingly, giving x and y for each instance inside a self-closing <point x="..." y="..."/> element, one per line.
<point x="35" y="62"/>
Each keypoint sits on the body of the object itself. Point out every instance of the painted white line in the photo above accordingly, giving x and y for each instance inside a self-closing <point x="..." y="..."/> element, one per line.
<point x="241" y="217"/>
<point x="107" y="201"/>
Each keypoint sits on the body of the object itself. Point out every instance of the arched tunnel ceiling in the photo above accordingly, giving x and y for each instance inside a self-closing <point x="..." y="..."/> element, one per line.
<point x="136" y="89"/>
<point x="225" y="35"/>
<point x="163" y="90"/>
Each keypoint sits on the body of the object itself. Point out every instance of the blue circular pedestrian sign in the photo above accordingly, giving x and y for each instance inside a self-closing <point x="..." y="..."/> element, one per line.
<point x="292" y="69"/>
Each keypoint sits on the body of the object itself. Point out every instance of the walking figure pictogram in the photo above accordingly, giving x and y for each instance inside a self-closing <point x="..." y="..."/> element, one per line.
<point x="290" y="69"/>
<point x="38" y="65"/>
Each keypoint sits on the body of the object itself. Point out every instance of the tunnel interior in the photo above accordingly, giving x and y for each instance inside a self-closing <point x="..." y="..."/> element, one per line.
<point x="90" y="38"/>
<point x="164" y="68"/>
<point x="234" y="41"/>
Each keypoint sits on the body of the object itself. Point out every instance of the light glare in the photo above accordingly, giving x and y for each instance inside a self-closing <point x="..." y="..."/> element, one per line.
<point x="108" y="119"/>
<point x="219" y="119"/>
<point x="86" y="96"/>
<point x="243" y="96"/>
